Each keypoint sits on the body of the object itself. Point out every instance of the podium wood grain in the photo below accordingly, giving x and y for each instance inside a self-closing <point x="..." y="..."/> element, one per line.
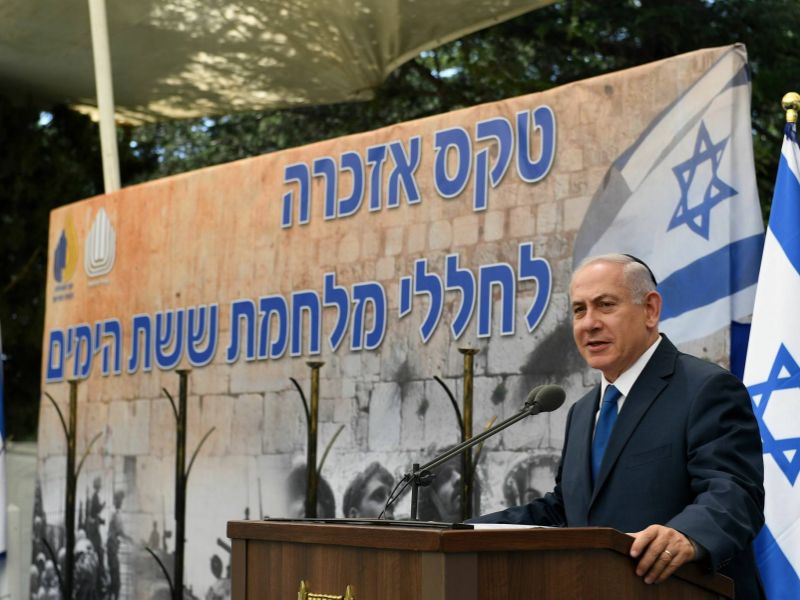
<point x="269" y="559"/>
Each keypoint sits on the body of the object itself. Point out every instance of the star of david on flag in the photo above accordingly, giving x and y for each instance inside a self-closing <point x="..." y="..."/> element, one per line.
<point x="683" y="198"/>
<point x="698" y="217"/>
<point x="772" y="374"/>
<point x="784" y="375"/>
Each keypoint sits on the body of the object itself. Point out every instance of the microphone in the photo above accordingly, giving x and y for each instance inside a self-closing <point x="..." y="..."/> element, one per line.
<point x="544" y="398"/>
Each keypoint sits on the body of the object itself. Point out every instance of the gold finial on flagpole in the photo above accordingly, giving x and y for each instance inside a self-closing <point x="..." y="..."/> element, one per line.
<point x="791" y="104"/>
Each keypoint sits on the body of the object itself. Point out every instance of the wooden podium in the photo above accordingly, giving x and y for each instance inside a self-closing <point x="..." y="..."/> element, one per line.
<point x="270" y="559"/>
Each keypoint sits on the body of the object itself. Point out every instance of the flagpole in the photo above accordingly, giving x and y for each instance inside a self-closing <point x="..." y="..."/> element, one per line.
<point x="791" y="104"/>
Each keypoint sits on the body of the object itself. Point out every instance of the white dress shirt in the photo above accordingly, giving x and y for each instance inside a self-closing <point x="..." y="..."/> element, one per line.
<point x="627" y="378"/>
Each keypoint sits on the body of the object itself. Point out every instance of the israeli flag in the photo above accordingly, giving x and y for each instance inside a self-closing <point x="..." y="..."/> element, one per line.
<point x="683" y="198"/>
<point x="772" y="375"/>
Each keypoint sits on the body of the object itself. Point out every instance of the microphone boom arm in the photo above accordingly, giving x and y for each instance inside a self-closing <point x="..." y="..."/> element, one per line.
<point x="466" y="444"/>
<point x="420" y="475"/>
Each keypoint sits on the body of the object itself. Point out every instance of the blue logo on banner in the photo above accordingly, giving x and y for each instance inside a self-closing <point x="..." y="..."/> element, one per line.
<point x="60" y="258"/>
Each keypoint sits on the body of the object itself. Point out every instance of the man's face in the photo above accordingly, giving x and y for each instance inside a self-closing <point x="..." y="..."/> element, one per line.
<point x="297" y="508"/>
<point x="611" y="332"/>
<point x="540" y="480"/>
<point x="376" y="492"/>
<point x="446" y="493"/>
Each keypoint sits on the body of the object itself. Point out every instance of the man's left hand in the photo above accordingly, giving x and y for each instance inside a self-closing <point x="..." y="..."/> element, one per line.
<point x="661" y="551"/>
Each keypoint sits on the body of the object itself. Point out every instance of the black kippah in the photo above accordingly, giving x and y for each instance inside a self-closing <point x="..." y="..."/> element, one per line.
<point x="644" y="264"/>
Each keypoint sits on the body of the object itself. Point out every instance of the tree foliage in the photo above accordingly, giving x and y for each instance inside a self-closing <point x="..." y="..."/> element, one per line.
<point x="47" y="161"/>
<point x="560" y="43"/>
<point x="46" y="165"/>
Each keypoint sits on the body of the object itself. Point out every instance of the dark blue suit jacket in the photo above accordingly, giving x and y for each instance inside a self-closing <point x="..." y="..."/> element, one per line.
<point x="685" y="452"/>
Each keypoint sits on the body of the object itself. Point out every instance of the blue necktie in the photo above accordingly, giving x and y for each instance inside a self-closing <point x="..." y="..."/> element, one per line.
<point x="605" y="423"/>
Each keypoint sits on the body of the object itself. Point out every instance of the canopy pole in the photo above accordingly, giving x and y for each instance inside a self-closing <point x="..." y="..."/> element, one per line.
<point x="105" y="94"/>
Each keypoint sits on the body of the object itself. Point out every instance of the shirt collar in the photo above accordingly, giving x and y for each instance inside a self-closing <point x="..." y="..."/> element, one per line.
<point x="627" y="378"/>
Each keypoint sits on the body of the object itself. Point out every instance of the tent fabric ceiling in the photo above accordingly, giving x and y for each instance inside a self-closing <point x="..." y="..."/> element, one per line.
<point x="189" y="58"/>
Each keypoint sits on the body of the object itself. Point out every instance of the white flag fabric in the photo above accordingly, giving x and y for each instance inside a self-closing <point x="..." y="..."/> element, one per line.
<point x="683" y="198"/>
<point x="772" y="375"/>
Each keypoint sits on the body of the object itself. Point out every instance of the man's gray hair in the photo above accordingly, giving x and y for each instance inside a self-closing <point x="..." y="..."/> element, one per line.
<point x="637" y="276"/>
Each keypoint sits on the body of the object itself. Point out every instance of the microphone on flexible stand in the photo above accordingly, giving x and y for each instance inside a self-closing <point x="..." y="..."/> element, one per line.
<point x="542" y="398"/>
<point x="545" y="398"/>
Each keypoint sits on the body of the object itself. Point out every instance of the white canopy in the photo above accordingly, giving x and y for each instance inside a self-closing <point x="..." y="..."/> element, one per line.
<point x="187" y="58"/>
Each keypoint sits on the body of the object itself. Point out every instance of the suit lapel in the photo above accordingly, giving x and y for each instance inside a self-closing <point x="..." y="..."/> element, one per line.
<point x="580" y="487"/>
<point x="648" y="386"/>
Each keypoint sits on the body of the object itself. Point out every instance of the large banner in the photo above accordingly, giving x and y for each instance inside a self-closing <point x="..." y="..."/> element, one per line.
<point x="381" y="255"/>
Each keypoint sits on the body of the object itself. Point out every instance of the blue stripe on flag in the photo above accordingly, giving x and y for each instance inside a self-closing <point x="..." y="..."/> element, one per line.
<point x="785" y="212"/>
<point x="779" y="578"/>
<point x="714" y="276"/>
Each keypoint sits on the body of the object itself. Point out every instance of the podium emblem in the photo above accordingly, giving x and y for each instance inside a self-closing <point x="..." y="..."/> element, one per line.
<point x="304" y="594"/>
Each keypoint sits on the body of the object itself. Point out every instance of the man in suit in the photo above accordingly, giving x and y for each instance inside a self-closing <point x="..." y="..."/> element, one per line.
<point x="666" y="447"/>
